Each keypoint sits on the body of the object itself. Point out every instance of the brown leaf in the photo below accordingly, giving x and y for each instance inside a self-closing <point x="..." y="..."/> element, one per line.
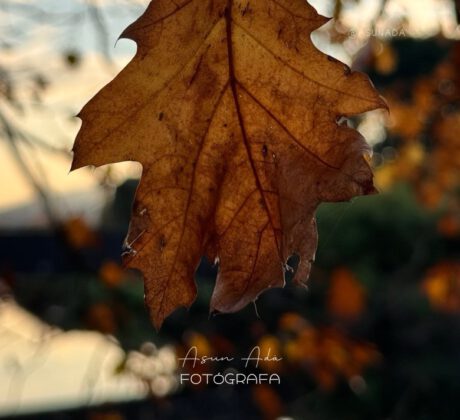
<point x="233" y="114"/>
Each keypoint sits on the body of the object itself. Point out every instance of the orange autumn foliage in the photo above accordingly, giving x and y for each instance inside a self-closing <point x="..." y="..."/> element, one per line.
<point x="327" y="354"/>
<point x="78" y="234"/>
<point x="268" y="401"/>
<point x="111" y="273"/>
<point x="346" y="297"/>
<point x="442" y="287"/>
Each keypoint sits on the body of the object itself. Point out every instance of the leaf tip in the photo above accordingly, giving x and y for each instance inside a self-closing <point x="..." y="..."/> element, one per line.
<point x="213" y="312"/>
<point x="74" y="166"/>
<point x="372" y="190"/>
<point x="77" y="163"/>
<point x="157" y="323"/>
<point x="157" y="318"/>
<point x="383" y="104"/>
<point x="323" y="19"/>
<point x="128" y="33"/>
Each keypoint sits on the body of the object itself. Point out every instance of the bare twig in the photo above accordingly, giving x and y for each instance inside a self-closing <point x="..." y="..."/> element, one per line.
<point x="12" y="137"/>
<point x="100" y="25"/>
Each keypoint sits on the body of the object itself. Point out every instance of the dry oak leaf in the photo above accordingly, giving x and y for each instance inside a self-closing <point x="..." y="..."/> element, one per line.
<point x="232" y="113"/>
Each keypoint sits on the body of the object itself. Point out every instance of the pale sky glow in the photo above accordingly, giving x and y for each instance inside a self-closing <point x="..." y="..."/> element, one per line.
<point x="69" y="89"/>
<point x="43" y="367"/>
<point x="53" y="123"/>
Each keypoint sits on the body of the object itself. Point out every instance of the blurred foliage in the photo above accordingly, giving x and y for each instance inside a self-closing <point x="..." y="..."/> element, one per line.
<point x="377" y="333"/>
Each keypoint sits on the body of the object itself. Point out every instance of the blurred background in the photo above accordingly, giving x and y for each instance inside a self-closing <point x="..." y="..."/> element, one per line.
<point x="376" y="335"/>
